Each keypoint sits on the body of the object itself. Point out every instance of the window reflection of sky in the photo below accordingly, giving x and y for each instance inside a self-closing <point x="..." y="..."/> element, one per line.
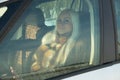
<point x="3" y="1"/>
<point x="2" y="11"/>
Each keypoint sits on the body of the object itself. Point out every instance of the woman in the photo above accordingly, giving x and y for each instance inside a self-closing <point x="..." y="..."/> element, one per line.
<point x="64" y="46"/>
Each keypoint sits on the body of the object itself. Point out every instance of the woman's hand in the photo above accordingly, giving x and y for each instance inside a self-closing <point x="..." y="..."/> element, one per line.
<point x="48" y="56"/>
<point x="37" y="57"/>
<point x="35" y="66"/>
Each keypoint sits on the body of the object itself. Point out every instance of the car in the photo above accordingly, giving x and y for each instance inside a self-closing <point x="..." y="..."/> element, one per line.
<point x="60" y="39"/>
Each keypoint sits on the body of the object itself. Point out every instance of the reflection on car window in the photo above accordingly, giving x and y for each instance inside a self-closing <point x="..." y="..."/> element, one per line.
<point x="2" y="11"/>
<point x="52" y="37"/>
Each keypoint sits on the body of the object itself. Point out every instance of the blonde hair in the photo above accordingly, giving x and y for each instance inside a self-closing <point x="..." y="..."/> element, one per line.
<point x="67" y="47"/>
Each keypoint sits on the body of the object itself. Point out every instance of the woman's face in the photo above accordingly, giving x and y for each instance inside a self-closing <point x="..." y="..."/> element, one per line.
<point x="64" y="23"/>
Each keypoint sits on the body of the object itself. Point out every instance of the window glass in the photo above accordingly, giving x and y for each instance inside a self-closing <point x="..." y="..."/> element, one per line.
<point x="52" y="38"/>
<point x="7" y="11"/>
<point x="2" y="11"/>
<point x="117" y="17"/>
<point x="1" y="1"/>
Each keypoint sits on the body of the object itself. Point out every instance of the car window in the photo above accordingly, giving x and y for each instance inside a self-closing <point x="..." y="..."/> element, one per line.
<point x="2" y="11"/>
<point x="7" y="11"/>
<point x="52" y="38"/>
<point x="117" y="19"/>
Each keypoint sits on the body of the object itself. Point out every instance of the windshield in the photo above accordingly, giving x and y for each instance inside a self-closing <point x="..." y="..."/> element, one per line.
<point x="51" y="38"/>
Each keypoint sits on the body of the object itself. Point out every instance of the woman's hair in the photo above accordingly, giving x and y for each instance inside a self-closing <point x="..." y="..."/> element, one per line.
<point x="75" y="22"/>
<point x="68" y="46"/>
<point x="74" y="36"/>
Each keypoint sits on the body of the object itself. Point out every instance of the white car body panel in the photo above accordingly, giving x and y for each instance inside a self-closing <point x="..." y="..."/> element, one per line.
<point x="108" y="73"/>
